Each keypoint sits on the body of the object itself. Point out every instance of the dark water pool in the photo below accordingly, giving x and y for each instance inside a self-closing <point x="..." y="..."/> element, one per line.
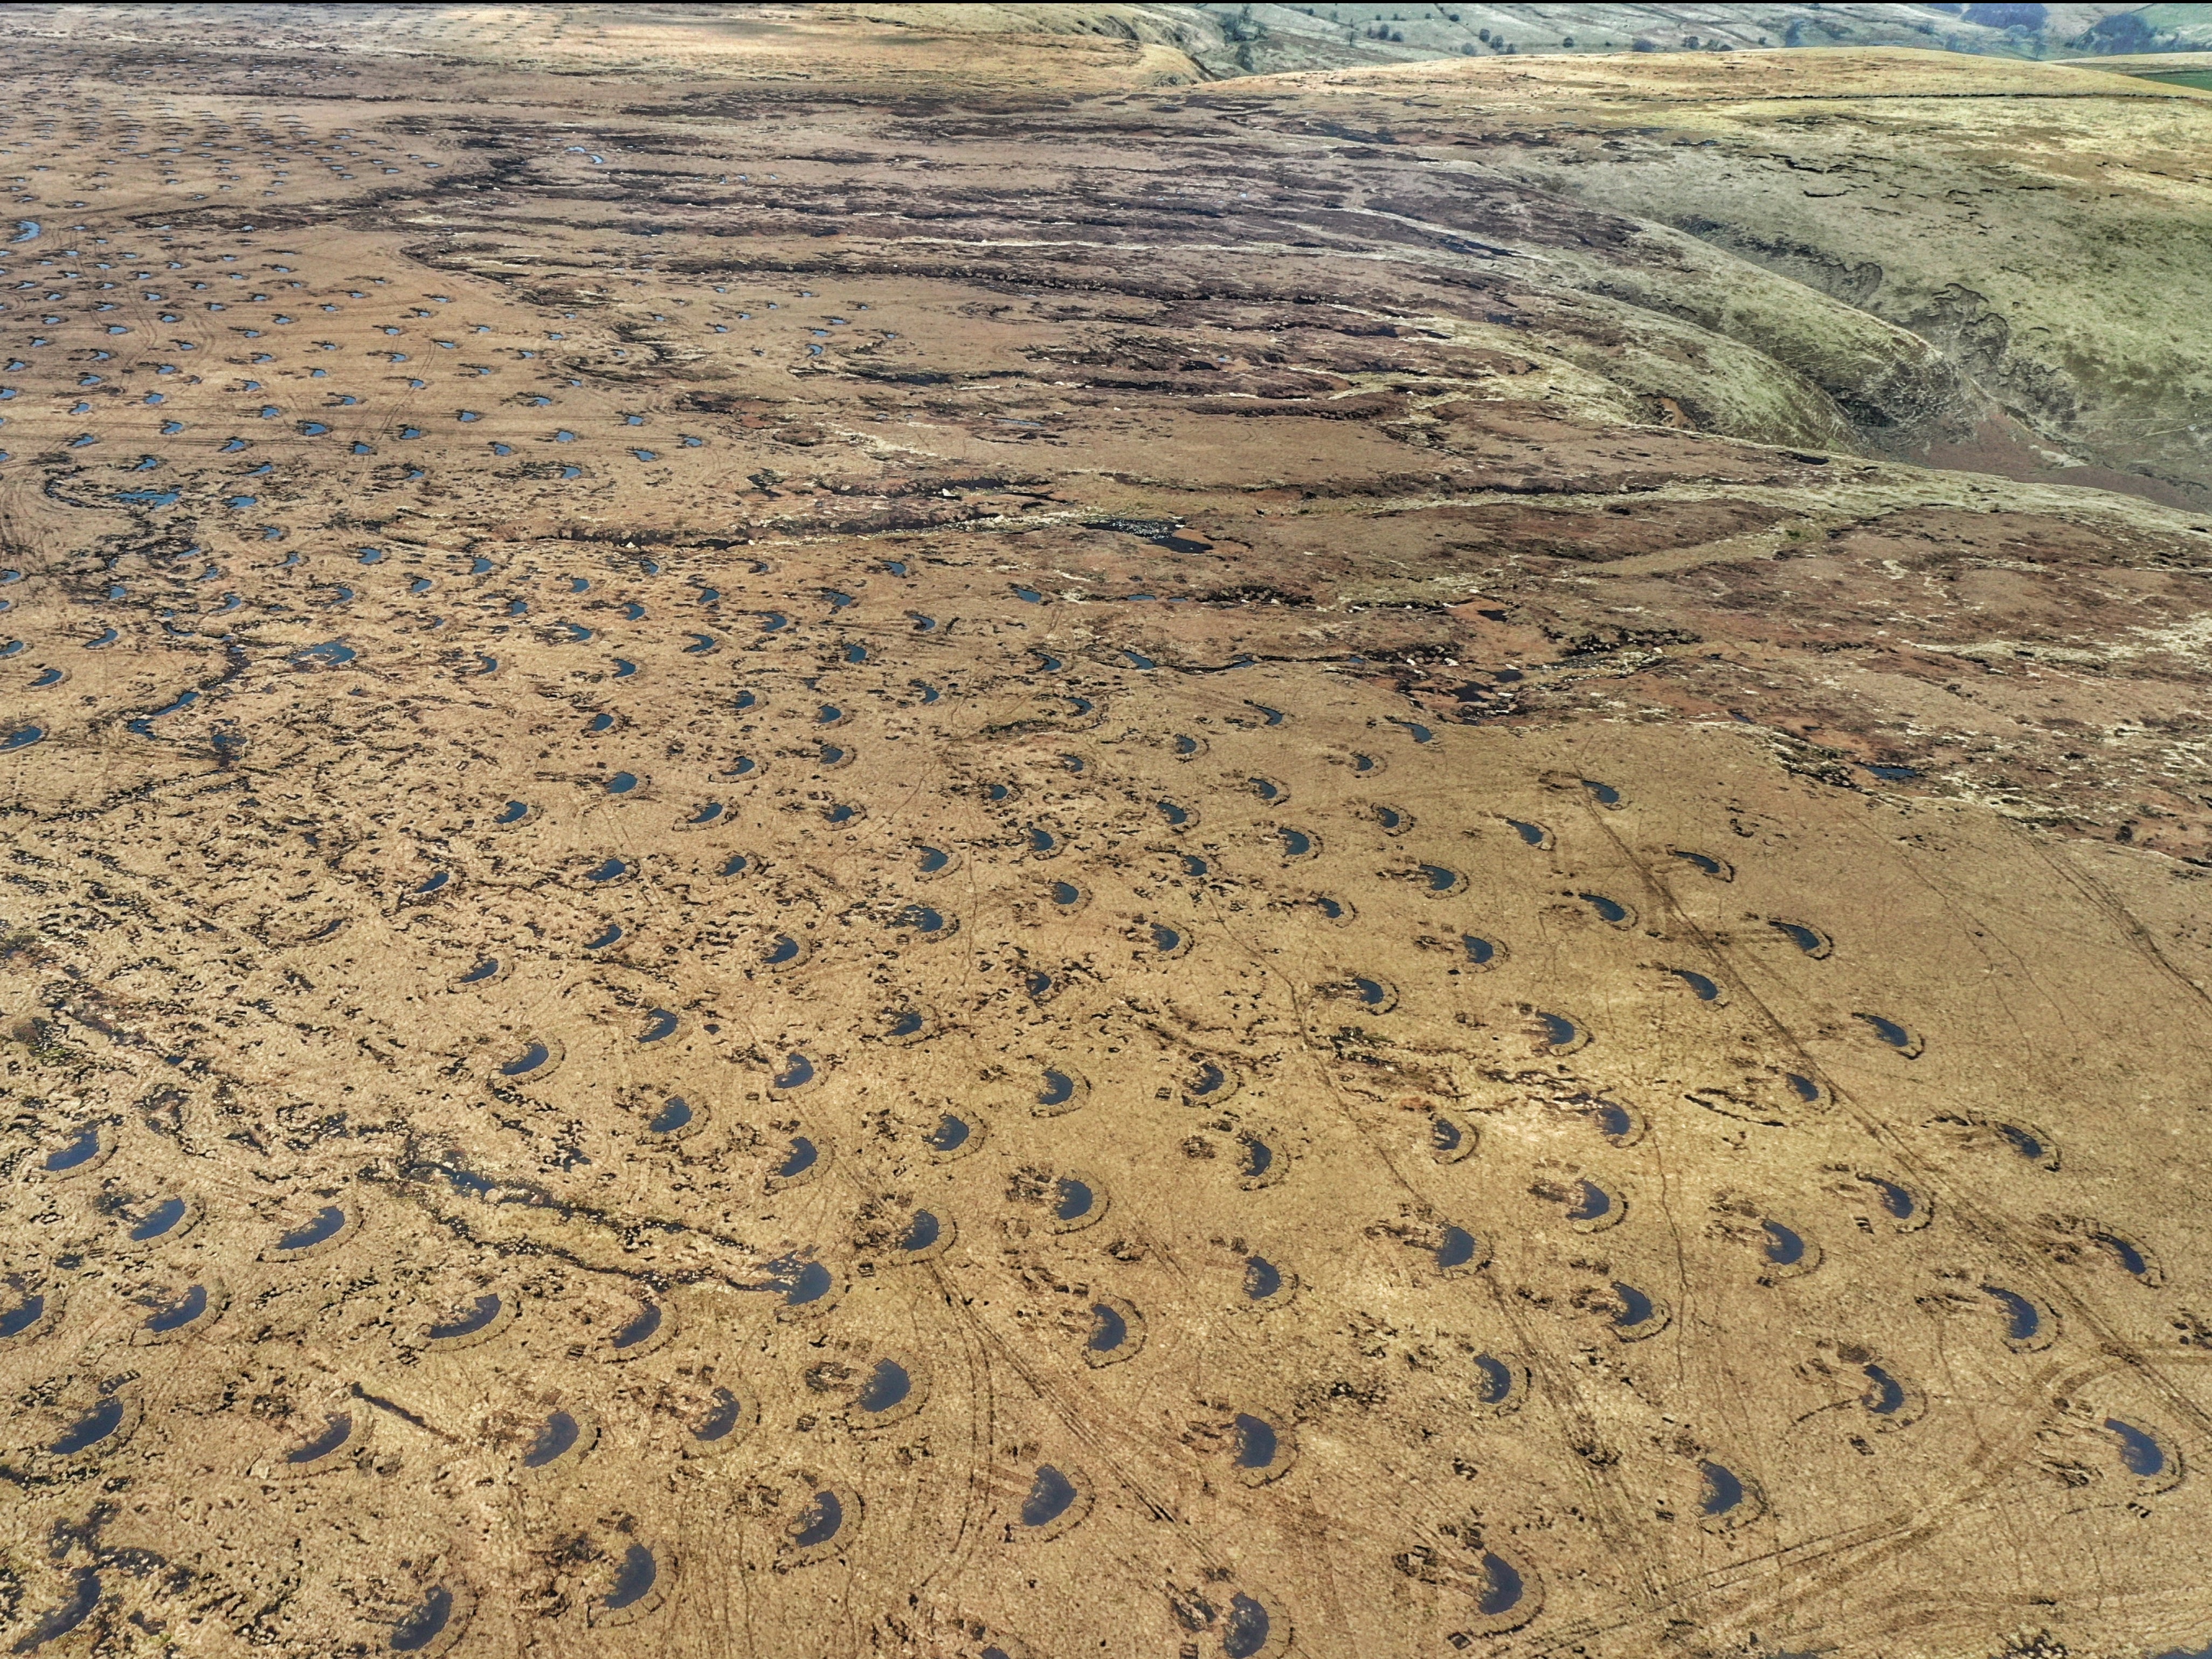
<point x="888" y="1387"/>
<point x="633" y="1579"/>
<point x="1887" y="1397"/>
<point x="802" y="1280"/>
<point x="1496" y="1380"/>
<point x="2141" y="1455"/>
<point x="642" y="1328"/>
<point x="1635" y="1306"/>
<point x="97" y="1424"/>
<point x="2126" y="1252"/>
<point x="1502" y="1587"/>
<point x="1889" y="1030"/>
<point x="2023" y="1319"/>
<point x="81" y="1150"/>
<point x="479" y="1316"/>
<point x="326" y="1224"/>
<point x="1591" y="1202"/>
<point x="1051" y="1496"/>
<point x="76" y="1607"/>
<point x="821" y="1521"/>
<point x="1784" y="1246"/>
<point x="335" y="1434"/>
<point x="1700" y="986"/>
<point x="180" y="1315"/>
<point x="1257" y="1442"/>
<point x="1610" y="911"/>
<point x="721" y="1420"/>
<point x="1247" y="1629"/>
<point x="1459" y="1248"/>
<point x="532" y="1059"/>
<point x="1810" y="940"/>
<point x="1723" y="1493"/>
<point x="1899" y="1202"/>
<point x="425" y="1624"/>
<point x="556" y="1436"/>
<point x="24" y="1315"/>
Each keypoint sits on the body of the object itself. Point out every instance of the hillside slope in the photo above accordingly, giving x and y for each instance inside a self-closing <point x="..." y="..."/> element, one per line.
<point x="1229" y="38"/>
<point x="2047" y="231"/>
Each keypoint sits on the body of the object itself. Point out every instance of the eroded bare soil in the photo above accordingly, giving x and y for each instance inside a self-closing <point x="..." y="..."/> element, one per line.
<point x="826" y="842"/>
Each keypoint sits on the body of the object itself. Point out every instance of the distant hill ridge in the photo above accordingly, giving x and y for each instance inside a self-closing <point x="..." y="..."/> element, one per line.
<point x="1228" y="39"/>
